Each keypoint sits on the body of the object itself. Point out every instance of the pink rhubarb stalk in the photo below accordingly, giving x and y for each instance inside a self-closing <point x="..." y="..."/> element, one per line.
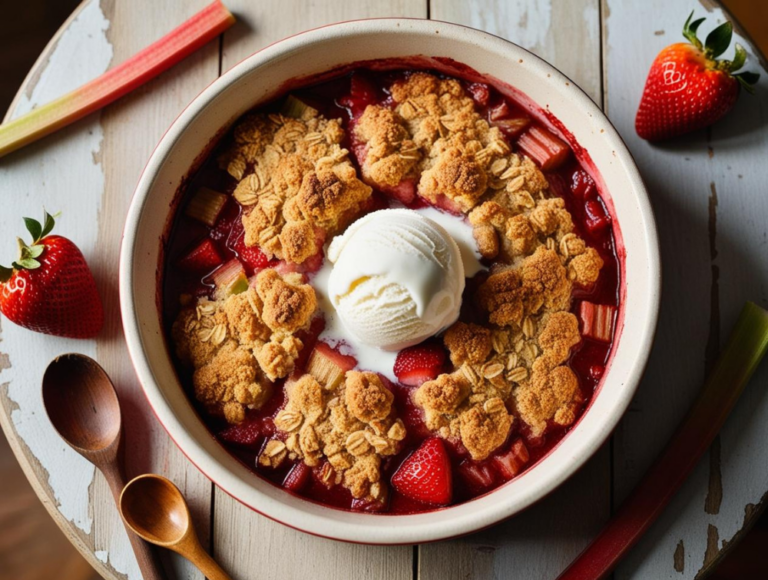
<point x="113" y="84"/>
<point x="745" y="349"/>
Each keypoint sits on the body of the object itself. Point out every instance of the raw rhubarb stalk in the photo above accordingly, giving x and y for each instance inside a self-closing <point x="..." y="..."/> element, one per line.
<point x="230" y="279"/>
<point x="206" y="205"/>
<point x="546" y="149"/>
<point x="597" y="321"/>
<point x="113" y="84"/>
<point x="745" y="349"/>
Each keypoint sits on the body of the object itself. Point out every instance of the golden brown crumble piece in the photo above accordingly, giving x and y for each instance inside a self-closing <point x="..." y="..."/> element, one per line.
<point x="328" y="198"/>
<point x="366" y="397"/>
<point x="469" y="410"/>
<point x="484" y="428"/>
<point x="549" y="396"/>
<point x="234" y="351"/>
<point x="442" y="395"/>
<point x="273" y="157"/>
<point x="513" y="293"/>
<point x="287" y="307"/>
<point x="584" y="269"/>
<point x="351" y="425"/>
<point x="231" y="383"/>
<point x="391" y="156"/>
<point x="456" y="175"/>
<point x="467" y="343"/>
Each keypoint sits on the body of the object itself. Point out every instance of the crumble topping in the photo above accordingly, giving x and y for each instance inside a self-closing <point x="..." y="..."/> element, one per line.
<point x="391" y="154"/>
<point x="295" y="181"/>
<point x="238" y="346"/>
<point x="298" y="188"/>
<point x="351" y="424"/>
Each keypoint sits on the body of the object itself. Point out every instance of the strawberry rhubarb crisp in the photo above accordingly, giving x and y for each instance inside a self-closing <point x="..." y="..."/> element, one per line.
<point x="391" y="291"/>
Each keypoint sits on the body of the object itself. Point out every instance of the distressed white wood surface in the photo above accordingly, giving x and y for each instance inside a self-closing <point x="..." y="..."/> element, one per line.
<point x="708" y="192"/>
<point x="712" y="249"/>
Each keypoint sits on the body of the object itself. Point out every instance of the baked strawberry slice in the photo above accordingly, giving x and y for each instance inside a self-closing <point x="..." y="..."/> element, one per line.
<point x="426" y="475"/>
<point x="251" y="256"/>
<point x="298" y="477"/>
<point x="203" y="258"/>
<point x="417" y="364"/>
<point x="248" y="433"/>
<point x="50" y="288"/>
<point x="511" y="463"/>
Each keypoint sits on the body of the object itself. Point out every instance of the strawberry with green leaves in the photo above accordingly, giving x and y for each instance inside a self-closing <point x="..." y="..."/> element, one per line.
<point x="688" y="88"/>
<point x="50" y="288"/>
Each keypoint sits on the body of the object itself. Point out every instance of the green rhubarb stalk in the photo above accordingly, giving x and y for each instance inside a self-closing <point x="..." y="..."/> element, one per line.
<point x="738" y="361"/>
<point x="204" y="26"/>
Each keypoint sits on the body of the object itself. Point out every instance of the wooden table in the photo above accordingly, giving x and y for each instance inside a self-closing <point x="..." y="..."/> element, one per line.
<point x="709" y="193"/>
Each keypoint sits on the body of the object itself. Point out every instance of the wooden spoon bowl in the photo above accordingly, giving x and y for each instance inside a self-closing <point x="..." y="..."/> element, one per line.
<point x="156" y="511"/>
<point x="82" y="403"/>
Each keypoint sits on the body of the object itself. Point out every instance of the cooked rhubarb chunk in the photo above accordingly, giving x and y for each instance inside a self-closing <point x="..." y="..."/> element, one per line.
<point x="230" y="279"/>
<point x="597" y="321"/>
<point x="510" y="463"/>
<point x="328" y="365"/>
<point x="544" y="148"/>
<point x="206" y="205"/>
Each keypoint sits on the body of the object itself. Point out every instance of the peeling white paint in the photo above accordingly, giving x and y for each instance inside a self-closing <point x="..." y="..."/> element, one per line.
<point x="60" y="173"/>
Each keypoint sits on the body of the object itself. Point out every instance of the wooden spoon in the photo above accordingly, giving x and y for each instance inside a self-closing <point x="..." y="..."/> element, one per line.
<point x="82" y="405"/>
<point x="155" y="510"/>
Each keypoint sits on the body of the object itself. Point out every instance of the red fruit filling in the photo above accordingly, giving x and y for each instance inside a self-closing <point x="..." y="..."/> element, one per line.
<point x="420" y="476"/>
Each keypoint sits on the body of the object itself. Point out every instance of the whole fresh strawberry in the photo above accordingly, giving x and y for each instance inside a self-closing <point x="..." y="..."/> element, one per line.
<point x="688" y="88"/>
<point x="50" y="288"/>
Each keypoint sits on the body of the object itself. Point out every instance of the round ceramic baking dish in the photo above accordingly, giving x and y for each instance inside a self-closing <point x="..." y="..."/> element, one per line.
<point x="419" y="43"/>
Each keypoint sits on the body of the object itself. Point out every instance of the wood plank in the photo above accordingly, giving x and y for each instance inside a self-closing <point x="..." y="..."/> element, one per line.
<point x="126" y="148"/>
<point x="562" y="32"/>
<point x="243" y="540"/>
<point x="72" y="171"/>
<point x="711" y="214"/>
<point x="542" y="541"/>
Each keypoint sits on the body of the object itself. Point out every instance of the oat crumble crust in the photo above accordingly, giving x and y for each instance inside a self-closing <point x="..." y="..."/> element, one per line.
<point x="238" y="346"/>
<point x="351" y="423"/>
<point x="299" y="187"/>
<point x="295" y="182"/>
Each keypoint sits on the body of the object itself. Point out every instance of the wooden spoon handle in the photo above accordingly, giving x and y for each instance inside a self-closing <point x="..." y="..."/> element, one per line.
<point x="207" y="565"/>
<point x="145" y="557"/>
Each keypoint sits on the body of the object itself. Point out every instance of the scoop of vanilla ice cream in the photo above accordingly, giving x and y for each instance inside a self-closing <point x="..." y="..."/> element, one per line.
<point x="397" y="278"/>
